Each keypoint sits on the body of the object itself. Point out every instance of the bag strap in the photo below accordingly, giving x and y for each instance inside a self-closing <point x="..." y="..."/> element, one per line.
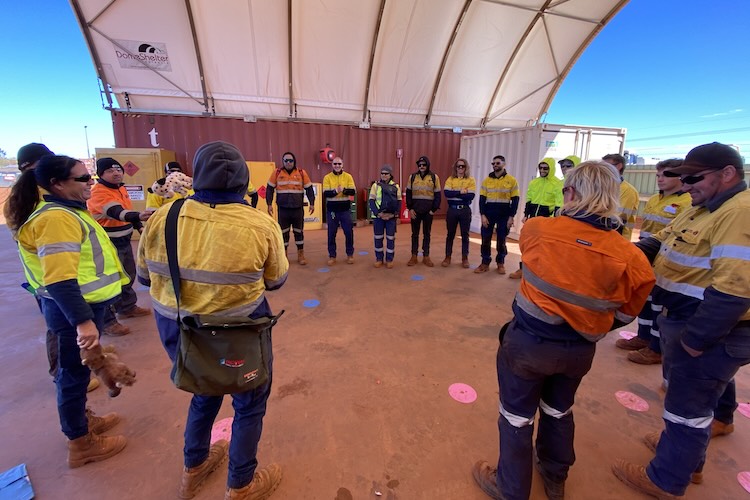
<point x="170" y="236"/>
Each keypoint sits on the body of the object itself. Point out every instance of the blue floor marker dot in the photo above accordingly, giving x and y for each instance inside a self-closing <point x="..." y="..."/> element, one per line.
<point x="311" y="303"/>
<point x="363" y="252"/>
<point x="417" y="277"/>
<point x="323" y="270"/>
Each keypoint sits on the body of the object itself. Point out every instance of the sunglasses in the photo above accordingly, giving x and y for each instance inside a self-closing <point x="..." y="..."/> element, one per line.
<point x="460" y="166"/>
<point x="288" y="160"/>
<point x="566" y="165"/>
<point x="117" y="169"/>
<point x="337" y="164"/>
<point x="496" y="163"/>
<point x="543" y="168"/>
<point x="688" y="179"/>
<point x="385" y="173"/>
<point x="83" y="178"/>
<point x="421" y="164"/>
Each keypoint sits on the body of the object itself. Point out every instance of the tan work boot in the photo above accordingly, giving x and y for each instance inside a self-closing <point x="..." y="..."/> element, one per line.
<point x="482" y="268"/>
<point x="350" y="259"/>
<point x="99" y="425"/>
<point x="116" y="330"/>
<point x="192" y="478"/>
<point x="516" y="275"/>
<point x="331" y="261"/>
<point x="651" y="440"/>
<point x="93" y="384"/>
<point x="633" y="344"/>
<point x="413" y="260"/>
<point x="378" y="263"/>
<point x="301" y="258"/>
<point x="465" y="262"/>
<point x="645" y="356"/>
<point x="134" y="313"/>
<point x="501" y="269"/>
<point x="635" y="477"/>
<point x="389" y="264"/>
<point x="446" y="261"/>
<point x="264" y="483"/>
<point x="93" y="448"/>
<point x="427" y="261"/>
<point x="719" y="428"/>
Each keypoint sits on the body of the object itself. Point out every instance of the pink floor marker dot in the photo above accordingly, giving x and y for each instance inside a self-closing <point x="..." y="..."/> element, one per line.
<point x="462" y="393"/>
<point x="222" y="430"/>
<point x="744" y="479"/>
<point x="631" y="401"/>
<point x="744" y="408"/>
<point x="627" y="335"/>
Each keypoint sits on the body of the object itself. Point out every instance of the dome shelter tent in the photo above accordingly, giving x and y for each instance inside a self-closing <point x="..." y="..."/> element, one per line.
<point x="475" y="64"/>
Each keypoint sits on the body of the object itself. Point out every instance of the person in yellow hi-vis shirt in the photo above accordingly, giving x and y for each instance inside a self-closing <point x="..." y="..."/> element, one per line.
<point x="460" y="189"/>
<point x="629" y="198"/>
<point x="154" y="201"/>
<point x="73" y="267"/>
<point x="338" y="186"/>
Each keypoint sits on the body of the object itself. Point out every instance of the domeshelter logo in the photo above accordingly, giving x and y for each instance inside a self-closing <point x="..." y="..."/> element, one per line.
<point x="139" y="54"/>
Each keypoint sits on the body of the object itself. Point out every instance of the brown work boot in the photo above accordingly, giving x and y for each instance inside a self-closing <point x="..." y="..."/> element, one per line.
<point x="501" y="269"/>
<point x="486" y="477"/>
<point x="719" y="428"/>
<point x="99" y="425"/>
<point x="331" y="261"/>
<point x="632" y="345"/>
<point x="93" y="448"/>
<point x="635" y="477"/>
<point x="192" y="478"/>
<point x="516" y="275"/>
<point x="446" y="261"/>
<point x="651" y="440"/>
<point x="427" y="261"/>
<point x="301" y="258"/>
<point x="413" y="260"/>
<point x="482" y="268"/>
<point x="465" y="262"/>
<point x="116" y="330"/>
<point x="555" y="490"/>
<point x="134" y="313"/>
<point x="93" y="384"/>
<point x="350" y="259"/>
<point x="378" y="263"/>
<point x="264" y="483"/>
<point x="645" y="356"/>
<point x="389" y="264"/>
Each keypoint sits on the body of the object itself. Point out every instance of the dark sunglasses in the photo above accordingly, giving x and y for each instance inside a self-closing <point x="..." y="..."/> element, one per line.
<point x="460" y="166"/>
<point x="496" y="163"/>
<point x="288" y="160"/>
<point x="543" y="168"/>
<point x="688" y="179"/>
<point x="82" y="178"/>
<point x="569" y="188"/>
<point x="338" y="164"/>
<point x="421" y="164"/>
<point x="566" y="165"/>
<point x="385" y="173"/>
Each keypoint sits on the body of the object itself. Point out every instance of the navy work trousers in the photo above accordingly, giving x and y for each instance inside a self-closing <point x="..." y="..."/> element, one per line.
<point x="72" y="377"/>
<point x="128" y="298"/>
<point x="532" y="373"/>
<point x="501" y="221"/>
<point x="343" y="219"/>
<point x="384" y="230"/>
<point x="249" y="410"/>
<point x="647" y="327"/>
<point x="458" y="217"/>
<point x="695" y="386"/>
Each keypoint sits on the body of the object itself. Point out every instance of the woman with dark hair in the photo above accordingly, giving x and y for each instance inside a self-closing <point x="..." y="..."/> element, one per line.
<point x="73" y="267"/>
<point x="460" y="189"/>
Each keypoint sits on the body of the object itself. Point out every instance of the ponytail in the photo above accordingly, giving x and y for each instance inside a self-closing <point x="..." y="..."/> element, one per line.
<point x="23" y="199"/>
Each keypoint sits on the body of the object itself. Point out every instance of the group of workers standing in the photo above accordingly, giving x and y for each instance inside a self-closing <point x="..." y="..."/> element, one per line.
<point x="689" y="274"/>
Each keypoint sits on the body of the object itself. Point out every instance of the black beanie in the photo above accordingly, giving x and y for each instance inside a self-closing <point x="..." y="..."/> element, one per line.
<point x="30" y="154"/>
<point x="425" y="160"/>
<point x="103" y="164"/>
<point x="219" y="166"/>
<point x="172" y="166"/>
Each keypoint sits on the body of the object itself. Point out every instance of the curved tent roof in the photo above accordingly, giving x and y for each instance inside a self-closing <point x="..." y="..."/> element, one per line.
<point x="433" y="63"/>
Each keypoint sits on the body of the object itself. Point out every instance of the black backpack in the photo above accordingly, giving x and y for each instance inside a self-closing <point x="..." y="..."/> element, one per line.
<point x="389" y="202"/>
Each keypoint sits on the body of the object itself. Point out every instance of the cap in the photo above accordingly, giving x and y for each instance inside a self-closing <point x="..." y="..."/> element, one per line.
<point x="30" y="154"/>
<point x="572" y="158"/>
<point x="714" y="156"/>
<point x="220" y="166"/>
<point x="425" y="160"/>
<point x="103" y="164"/>
<point x="386" y="168"/>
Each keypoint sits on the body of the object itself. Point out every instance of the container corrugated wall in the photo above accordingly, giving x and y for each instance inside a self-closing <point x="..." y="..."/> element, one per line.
<point x="363" y="151"/>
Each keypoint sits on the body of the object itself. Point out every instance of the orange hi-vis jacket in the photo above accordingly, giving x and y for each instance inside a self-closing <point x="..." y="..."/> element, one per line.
<point x="104" y="198"/>
<point x="577" y="273"/>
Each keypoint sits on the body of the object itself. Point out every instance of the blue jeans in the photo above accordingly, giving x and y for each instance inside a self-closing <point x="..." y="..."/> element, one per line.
<point x="502" y="232"/>
<point x="384" y="230"/>
<point x="343" y="219"/>
<point x="249" y="410"/>
<point x="695" y="387"/>
<point x="72" y="377"/>
<point x="532" y="373"/>
<point x="128" y="298"/>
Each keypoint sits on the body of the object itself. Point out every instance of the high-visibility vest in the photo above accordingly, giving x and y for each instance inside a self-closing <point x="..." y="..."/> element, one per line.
<point x="600" y="276"/>
<point x="100" y="274"/>
<point x="660" y="210"/>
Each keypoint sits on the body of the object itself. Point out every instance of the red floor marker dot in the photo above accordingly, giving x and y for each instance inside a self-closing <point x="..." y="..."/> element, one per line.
<point x="462" y="393"/>
<point x="627" y="335"/>
<point x="631" y="401"/>
<point x="744" y="479"/>
<point x="744" y="409"/>
<point x="222" y="430"/>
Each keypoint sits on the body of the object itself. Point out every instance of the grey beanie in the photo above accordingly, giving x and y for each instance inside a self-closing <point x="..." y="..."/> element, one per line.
<point x="219" y="166"/>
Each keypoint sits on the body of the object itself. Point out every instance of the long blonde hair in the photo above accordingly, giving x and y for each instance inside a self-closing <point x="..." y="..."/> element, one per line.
<point x="596" y="186"/>
<point x="467" y="170"/>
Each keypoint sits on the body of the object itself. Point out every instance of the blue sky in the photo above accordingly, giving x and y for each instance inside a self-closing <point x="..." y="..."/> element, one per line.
<point x="675" y="73"/>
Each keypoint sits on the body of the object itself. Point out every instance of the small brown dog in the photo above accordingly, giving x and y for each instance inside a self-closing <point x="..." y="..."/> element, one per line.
<point x="108" y="368"/>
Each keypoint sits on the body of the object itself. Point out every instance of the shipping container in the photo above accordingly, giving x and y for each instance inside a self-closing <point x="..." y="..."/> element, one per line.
<point x="523" y="149"/>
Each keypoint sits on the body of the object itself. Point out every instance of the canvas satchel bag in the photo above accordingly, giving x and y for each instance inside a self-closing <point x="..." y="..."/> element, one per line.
<point x="218" y="354"/>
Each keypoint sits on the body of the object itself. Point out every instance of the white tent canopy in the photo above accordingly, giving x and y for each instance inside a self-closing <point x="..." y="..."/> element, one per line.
<point x="434" y="63"/>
